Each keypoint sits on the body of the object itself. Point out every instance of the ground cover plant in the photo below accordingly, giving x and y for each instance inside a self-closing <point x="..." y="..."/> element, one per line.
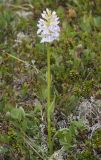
<point x="50" y="93"/>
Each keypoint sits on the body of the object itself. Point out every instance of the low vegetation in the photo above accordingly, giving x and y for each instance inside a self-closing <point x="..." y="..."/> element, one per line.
<point x="75" y="81"/>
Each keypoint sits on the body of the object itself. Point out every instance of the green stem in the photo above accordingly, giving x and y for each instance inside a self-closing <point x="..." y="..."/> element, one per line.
<point x="49" y="103"/>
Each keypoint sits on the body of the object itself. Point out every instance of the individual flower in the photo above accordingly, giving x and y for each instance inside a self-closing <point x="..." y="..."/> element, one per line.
<point x="48" y="26"/>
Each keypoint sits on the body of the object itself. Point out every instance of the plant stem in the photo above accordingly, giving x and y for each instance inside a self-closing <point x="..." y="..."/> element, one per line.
<point x="49" y="102"/>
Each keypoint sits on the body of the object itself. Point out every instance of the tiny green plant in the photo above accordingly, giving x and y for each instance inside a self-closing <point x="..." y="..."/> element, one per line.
<point x="66" y="136"/>
<point x="48" y="30"/>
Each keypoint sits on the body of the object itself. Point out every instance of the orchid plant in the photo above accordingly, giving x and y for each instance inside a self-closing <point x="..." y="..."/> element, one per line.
<point x="48" y="31"/>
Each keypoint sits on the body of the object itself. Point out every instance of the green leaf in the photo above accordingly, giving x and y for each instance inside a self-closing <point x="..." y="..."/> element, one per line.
<point x="86" y="23"/>
<point x="97" y="21"/>
<point x="17" y="113"/>
<point x="66" y="136"/>
<point x="51" y="107"/>
<point x="77" y="124"/>
<point x="38" y="108"/>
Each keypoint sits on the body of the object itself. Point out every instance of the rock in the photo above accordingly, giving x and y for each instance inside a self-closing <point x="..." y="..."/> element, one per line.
<point x="90" y="114"/>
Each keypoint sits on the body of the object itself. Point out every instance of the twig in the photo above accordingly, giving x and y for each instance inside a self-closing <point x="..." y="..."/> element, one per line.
<point x="26" y="63"/>
<point x="30" y="140"/>
<point x="34" y="149"/>
<point x="20" y="60"/>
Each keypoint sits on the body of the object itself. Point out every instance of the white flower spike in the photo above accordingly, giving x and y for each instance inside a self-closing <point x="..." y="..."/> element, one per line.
<point x="48" y="26"/>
